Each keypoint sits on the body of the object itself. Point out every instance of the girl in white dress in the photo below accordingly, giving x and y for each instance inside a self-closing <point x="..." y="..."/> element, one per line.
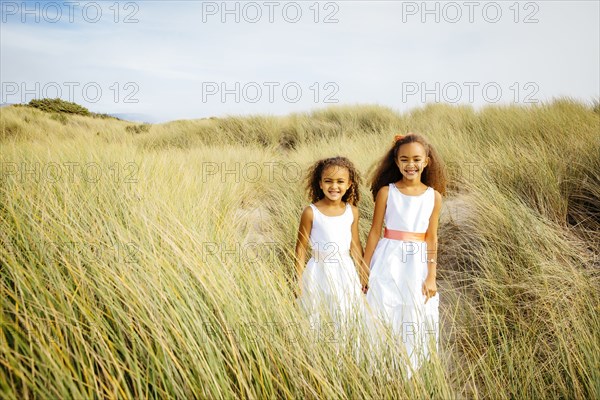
<point x="407" y="187"/>
<point x="329" y="288"/>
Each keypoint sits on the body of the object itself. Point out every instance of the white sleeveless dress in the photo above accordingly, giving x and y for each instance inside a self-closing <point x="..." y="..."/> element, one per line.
<point x="331" y="290"/>
<point x="398" y="270"/>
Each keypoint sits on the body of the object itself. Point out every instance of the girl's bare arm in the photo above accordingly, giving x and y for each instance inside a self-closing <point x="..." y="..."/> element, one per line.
<point x="377" y="225"/>
<point x="356" y="250"/>
<point x="430" y="286"/>
<point x="302" y="244"/>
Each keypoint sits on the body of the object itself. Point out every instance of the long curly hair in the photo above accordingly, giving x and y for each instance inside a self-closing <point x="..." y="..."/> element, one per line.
<point x="387" y="171"/>
<point x="315" y="173"/>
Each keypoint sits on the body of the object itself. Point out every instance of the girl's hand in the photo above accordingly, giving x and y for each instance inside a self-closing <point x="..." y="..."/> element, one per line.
<point x="429" y="288"/>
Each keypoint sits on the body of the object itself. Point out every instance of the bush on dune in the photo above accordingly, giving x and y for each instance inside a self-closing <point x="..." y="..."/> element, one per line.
<point x="58" y="106"/>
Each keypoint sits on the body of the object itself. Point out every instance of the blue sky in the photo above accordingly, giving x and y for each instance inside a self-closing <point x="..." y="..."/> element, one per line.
<point x="165" y="60"/>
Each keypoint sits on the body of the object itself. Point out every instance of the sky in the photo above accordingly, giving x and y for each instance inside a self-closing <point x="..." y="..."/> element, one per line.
<point x="158" y="61"/>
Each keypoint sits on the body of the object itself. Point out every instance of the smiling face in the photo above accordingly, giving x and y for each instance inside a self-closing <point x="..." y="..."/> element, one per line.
<point x="412" y="160"/>
<point x="335" y="181"/>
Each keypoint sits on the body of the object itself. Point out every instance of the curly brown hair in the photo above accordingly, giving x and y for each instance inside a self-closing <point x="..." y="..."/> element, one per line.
<point x="434" y="174"/>
<point x="315" y="173"/>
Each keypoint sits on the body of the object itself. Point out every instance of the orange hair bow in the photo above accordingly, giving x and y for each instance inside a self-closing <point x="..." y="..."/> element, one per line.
<point x="398" y="137"/>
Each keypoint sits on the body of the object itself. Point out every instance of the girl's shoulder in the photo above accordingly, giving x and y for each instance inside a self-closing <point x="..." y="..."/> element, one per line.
<point x="384" y="190"/>
<point x="437" y="196"/>
<point x="307" y="212"/>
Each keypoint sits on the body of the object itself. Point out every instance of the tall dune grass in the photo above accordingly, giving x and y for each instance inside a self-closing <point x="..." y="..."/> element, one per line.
<point x="169" y="273"/>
